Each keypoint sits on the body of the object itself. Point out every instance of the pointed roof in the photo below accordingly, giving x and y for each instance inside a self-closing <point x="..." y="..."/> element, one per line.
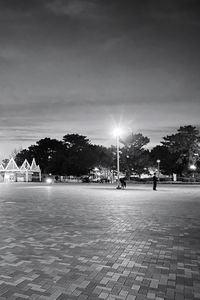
<point x="1" y="167"/>
<point x="25" y="165"/>
<point x="12" y="166"/>
<point x="33" y="165"/>
<point x="38" y="168"/>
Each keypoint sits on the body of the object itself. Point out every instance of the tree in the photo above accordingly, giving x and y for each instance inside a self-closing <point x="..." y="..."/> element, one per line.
<point x="167" y="159"/>
<point x="134" y="157"/>
<point x="5" y="161"/>
<point x="138" y="141"/>
<point x="76" y="142"/>
<point x="79" y="155"/>
<point x="75" y="155"/>
<point x="15" y="152"/>
<point x="185" y="145"/>
<point x="22" y="155"/>
<point x="44" y="152"/>
<point x="104" y="156"/>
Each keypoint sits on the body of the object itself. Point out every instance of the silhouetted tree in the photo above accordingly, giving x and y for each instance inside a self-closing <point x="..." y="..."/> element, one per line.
<point x="134" y="157"/>
<point x="104" y="156"/>
<point x="167" y="159"/>
<point x="185" y="145"/>
<point x="79" y="155"/>
<point x="44" y="151"/>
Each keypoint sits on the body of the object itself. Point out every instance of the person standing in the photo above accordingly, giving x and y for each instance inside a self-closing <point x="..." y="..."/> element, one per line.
<point x="155" y="180"/>
<point x="123" y="183"/>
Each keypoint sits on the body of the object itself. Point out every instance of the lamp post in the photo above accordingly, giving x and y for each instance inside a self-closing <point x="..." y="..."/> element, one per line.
<point x="193" y="169"/>
<point x="158" y="162"/>
<point x="117" y="133"/>
<point x="96" y="176"/>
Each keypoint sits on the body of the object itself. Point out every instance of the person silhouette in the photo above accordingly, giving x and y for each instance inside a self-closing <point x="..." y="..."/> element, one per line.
<point x="123" y="183"/>
<point x="155" y="180"/>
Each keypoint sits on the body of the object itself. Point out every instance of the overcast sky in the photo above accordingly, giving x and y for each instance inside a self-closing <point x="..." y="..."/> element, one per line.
<point x="82" y="66"/>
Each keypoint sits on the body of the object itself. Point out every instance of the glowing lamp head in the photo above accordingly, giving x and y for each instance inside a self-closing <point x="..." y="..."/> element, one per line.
<point x="117" y="131"/>
<point x="193" y="167"/>
<point x="49" y="180"/>
<point x="158" y="161"/>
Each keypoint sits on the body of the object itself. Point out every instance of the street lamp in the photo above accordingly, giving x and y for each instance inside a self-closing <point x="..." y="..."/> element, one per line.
<point x="95" y="173"/>
<point x="158" y="162"/>
<point x="117" y="132"/>
<point x="193" y="169"/>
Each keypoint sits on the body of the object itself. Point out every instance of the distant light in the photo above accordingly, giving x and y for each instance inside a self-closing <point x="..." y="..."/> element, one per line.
<point x="49" y="180"/>
<point x="117" y="131"/>
<point x="158" y="161"/>
<point x="193" y="167"/>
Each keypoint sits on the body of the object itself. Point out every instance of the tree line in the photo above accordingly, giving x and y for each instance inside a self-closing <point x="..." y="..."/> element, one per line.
<point x="76" y="155"/>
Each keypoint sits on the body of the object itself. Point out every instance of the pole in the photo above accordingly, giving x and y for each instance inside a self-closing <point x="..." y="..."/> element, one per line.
<point x="118" y="187"/>
<point x="158" y="162"/>
<point x="26" y="175"/>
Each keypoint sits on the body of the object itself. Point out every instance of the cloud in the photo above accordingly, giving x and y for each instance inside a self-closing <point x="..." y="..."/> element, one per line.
<point x="87" y="9"/>
<point x="178" y="11"/>
<point x="116" y="9"/>
<point x="76" y="64"/>
<point x="12" y="10"/>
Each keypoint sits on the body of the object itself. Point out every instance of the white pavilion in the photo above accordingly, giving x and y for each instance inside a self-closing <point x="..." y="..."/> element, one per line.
<point x="24" y="173"/>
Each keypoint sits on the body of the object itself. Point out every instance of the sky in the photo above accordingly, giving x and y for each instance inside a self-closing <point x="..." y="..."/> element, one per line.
<point x="85" y="66"/>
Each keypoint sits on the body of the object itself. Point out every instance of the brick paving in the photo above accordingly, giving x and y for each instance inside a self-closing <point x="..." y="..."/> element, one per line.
<point x="79" y="241"/>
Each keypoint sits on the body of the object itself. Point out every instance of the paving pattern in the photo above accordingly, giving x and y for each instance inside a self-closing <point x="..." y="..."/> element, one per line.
<point x="91" y="241"/>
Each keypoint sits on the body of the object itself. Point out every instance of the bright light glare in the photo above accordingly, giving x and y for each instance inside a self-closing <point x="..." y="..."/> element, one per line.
<point x="117" y="131"/>
<point x="193" y="167"/>
<point x="49" y="180"/>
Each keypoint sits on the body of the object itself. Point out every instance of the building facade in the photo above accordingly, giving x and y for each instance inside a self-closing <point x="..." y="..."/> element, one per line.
<point x="24" y="173"/>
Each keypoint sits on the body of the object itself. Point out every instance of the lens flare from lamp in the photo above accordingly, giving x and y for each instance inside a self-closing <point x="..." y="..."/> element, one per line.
<point x="193" y="167"/>
<point x="117" y="131"/>
<point x="49" y="180"/>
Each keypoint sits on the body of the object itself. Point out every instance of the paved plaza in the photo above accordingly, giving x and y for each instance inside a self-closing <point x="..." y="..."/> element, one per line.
<point x="91" y="241"/>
